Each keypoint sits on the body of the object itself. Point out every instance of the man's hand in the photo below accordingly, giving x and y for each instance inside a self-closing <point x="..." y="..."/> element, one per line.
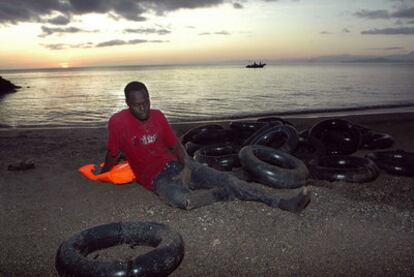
<point x="185" y="176"/>
<point x="110" y="161"/>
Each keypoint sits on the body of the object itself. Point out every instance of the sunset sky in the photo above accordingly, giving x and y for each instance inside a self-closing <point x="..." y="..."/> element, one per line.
<point x="77" y="33"/>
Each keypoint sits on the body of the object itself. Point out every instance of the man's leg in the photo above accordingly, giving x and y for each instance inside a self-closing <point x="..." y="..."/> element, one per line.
<point x="175" y="194"/>
<point x="204" y="177"/>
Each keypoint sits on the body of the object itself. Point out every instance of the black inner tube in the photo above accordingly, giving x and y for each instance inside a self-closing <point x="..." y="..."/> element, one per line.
<point x="203" y="129"/>
<point x="396" y="162"/>
<point x="274" y="158"/>
<point x="339" y="136"/>
<point x="220" y="156"/>
<point x="309" y="148"/>
<point x="273" y="167"/>
<point x="342" y="167"/>
<point x="246" y="125"/>
<point x="282" y="137"/>
<point x="375" y="140"/>
<point x="71" y="257"/>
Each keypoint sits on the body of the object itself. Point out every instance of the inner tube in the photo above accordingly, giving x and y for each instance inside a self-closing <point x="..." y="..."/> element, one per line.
<point x="246" y="125"/>
<point x="243" y="129"/>
<point x="343" y="168"/>
<point x="223" y="157"/>
<point x="192" y="147"/>
<point x="282" y="137"/>
<point x="275" y="120"/>
<point x="309" y="148"/>
<point x="261" y="131"/>
<point x="339" y="136"/>
<point x="212" y="136"/>
<point x="396" y="162"/>
<point x="188" y="136"/>
<point x="375" y="140"/>
<point x="273" y="167"/>
<point x="304" y="133"/>
<point x="71" y="257"/>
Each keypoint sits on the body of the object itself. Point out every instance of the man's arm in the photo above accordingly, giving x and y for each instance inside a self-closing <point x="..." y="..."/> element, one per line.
<point x="110" y="161"/>
<point x="180" y="152"/>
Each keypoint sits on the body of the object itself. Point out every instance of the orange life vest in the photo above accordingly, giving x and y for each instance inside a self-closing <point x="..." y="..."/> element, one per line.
<point x="119" y="174"/>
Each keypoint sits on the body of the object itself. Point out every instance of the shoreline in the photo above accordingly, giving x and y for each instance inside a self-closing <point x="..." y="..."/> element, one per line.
<point x="367" y="114"/>
<point x="353" y="229"/>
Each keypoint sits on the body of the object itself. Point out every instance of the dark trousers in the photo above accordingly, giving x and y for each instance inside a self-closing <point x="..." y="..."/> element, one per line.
<point x="207" y="186"/>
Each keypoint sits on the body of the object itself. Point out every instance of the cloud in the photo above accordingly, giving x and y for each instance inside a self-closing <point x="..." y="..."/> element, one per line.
<point x="157" y="41"/>
<point x="222" y="33"/>
<point x="16" y="11"/>
<point x="162" y="6"/>
<point x="237" y="6"/>
<point x="399" y="22"/>
<point x="390" y="31"/>
<point x="59" y="20"/>
<point x="111" y="43"/>
<point x="376" y="14"/>
<point x="387" y="48"/>
<point x="56" y="46"/>
<point x="148" y="31"/>
<point x="47" y="31"/>
<point x="403" y="12"/>
<point x="27" y="10"/>
<point x="62" y="46"/>
<point x="117" y="42"/>
<point x="214" y="33"/>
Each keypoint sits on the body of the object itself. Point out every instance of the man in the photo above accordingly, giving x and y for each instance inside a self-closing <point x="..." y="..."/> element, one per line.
<point x="161" y="164"/>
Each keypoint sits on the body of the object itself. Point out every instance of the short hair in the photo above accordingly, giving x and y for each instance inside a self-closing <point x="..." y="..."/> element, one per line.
<point x="135" y="86"/>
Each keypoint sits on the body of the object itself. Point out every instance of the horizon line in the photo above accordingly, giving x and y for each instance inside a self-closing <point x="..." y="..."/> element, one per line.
<point x="228" y="62"/>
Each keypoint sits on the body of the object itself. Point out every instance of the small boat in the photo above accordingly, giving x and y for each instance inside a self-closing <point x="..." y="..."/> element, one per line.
<point x="256" y="65"/>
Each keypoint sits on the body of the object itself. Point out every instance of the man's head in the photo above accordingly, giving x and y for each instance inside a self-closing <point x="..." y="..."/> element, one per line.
<point x="137" y="99"/>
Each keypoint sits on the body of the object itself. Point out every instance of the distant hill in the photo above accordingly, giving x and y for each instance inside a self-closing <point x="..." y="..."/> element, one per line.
<point x="366" y="59"/>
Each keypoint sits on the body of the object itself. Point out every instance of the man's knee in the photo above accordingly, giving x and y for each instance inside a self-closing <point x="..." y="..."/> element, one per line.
<point x="209" y="177"/>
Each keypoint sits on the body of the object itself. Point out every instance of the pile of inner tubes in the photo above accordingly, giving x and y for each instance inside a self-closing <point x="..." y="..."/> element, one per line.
<point x="395" y="162"/>
<point x="275" y="153"/>
<point x="263" y="148"/>
<point x="71" y="258"/>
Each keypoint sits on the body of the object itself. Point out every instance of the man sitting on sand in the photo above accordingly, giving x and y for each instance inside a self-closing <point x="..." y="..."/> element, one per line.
<point x="161" y="164"/>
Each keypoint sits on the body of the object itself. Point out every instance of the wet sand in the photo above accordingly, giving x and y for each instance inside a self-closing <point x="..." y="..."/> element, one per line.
<point x="348" y="229"/>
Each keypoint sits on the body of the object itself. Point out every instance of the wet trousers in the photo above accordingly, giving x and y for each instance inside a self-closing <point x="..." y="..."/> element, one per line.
<point x="207" y="186"/>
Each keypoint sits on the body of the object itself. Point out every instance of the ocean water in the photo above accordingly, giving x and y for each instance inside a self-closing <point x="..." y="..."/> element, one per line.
<point x="88" y="96"/>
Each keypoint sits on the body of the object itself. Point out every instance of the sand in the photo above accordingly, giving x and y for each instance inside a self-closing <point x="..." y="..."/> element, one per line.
<point x="348" y="229"/>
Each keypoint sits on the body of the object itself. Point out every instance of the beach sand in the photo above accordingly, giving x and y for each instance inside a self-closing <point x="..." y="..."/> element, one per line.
<point x="348" y="229"/>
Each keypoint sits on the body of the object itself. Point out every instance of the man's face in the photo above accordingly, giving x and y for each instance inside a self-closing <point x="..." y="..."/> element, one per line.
<point x="139" y="104"/>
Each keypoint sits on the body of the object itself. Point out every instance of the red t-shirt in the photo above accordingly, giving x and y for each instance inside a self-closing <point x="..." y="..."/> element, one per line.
<point x="145" y="144"/>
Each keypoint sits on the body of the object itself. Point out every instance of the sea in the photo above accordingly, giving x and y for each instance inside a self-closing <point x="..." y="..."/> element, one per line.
<point x="87" y="97"/>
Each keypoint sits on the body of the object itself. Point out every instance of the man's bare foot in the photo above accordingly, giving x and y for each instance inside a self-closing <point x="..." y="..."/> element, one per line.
<point x="297" y="203"/>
